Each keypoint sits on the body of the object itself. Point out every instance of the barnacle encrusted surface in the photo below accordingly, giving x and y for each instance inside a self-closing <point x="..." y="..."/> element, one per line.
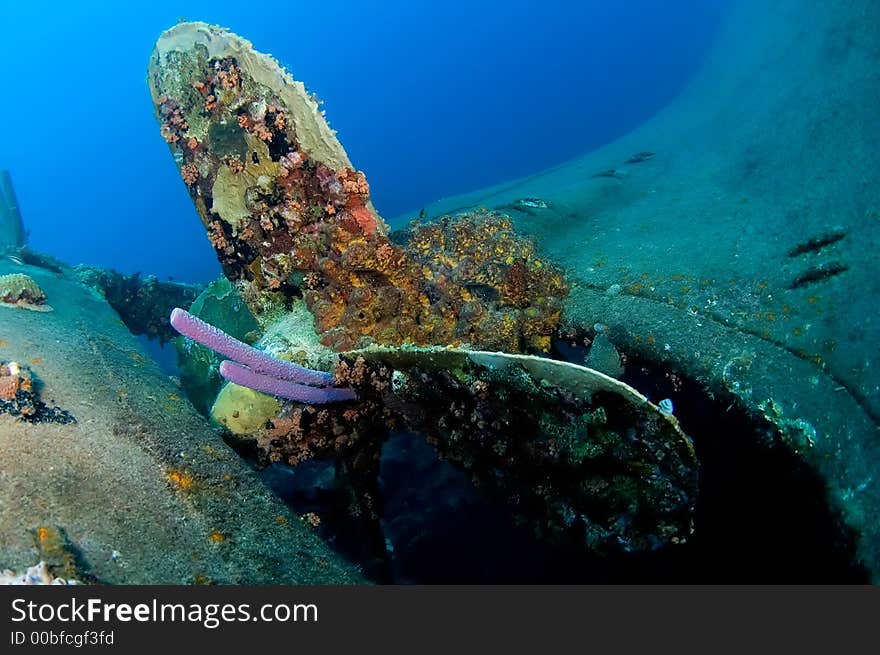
<point x="584" y="459"/>
<point x="20" y="290"/>
<point x="289" y="216"/>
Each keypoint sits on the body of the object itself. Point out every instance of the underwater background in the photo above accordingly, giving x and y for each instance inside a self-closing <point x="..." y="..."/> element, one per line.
<point x="430" y="99"/>
<point x="515" y="292"/>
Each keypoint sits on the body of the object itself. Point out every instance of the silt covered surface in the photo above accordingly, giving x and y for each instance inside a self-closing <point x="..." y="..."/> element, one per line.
<point x="141" y="488"/>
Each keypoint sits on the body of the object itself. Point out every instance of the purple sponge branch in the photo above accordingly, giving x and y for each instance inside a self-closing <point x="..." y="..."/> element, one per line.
<point x="246" y="377"/>
<point x="258" y="361"/>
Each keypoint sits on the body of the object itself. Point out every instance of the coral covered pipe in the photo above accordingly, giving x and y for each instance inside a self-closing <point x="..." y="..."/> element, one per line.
<point x="245" y="377"/>
<point x="256" y="360"/>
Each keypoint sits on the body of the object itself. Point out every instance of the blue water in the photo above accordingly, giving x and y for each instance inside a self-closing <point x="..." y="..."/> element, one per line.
<point x="429" y="98"/>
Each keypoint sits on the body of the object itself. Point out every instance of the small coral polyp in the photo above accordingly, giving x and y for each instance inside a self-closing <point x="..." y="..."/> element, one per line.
<point x="19" y="290"/>
<point x="289" y="215"/>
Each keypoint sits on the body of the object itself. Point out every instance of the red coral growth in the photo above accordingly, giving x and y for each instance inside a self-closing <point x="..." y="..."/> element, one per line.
<point x="277" y="117"/>
<point x="365" y="220"/>
<point x="354" y="182"/>
<point x="230" y="77"/>
<point x="190" y="173"/>
<point x="174" y="124"/>
<point x="262" y="132"/>
<point x="217" y="236"/>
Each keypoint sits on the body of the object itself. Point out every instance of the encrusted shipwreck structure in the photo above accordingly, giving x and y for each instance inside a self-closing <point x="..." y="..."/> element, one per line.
<point x="583" y="458"/>
<point x="289" y="215"/>
<point x="580" y="457"/>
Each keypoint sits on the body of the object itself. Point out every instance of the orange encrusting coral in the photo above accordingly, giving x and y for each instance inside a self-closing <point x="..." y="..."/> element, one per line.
<point x="468" y="280"/>
<point x="181" y="479"/>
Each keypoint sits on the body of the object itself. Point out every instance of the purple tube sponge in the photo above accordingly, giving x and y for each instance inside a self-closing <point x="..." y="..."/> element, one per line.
<point x="258" y="361"/>
<point x="256" y="370"/>
<point x="246" y="377"/>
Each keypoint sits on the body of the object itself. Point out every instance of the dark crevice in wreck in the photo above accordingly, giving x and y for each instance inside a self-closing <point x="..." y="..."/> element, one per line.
<point x="762" y="514"/>
<point x="825" y="369"/>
